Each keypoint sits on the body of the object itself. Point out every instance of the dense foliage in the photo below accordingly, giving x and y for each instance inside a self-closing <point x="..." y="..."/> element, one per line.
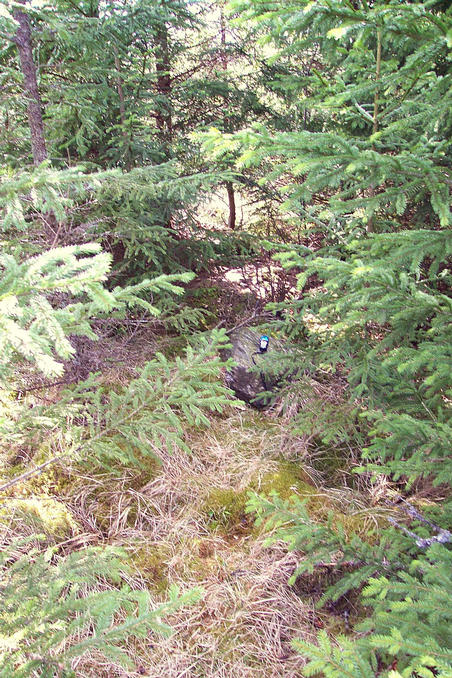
<point x="334" y="119"/>
<point x="378" y="147"/>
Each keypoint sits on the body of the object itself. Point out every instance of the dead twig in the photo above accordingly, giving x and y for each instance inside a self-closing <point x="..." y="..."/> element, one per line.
<point x="443" y="536"/>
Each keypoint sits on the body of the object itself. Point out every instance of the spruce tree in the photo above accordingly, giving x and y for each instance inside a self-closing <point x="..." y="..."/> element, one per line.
<point x="370" y="175"/>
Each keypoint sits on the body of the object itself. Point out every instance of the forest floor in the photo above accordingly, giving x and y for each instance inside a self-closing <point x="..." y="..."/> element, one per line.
<point x="188" y="526"/>
<point x="184" y="522"/>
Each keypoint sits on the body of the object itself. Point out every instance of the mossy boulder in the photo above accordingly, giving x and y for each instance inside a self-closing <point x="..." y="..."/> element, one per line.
<point x="254" y="372"/>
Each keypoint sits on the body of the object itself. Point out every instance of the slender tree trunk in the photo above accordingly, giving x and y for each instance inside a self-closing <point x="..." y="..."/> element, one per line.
<point x="224" y="56"/>
<point x="164" y="86"/>
<point x="122" y="109"/>
<point x="377" y="81"/>
<point x="34" y="104"/>
<point x="370" y="223"/>
<point x="232" y="208"/>
<point x="232" y="219"/>
<point x="120" y="88"/>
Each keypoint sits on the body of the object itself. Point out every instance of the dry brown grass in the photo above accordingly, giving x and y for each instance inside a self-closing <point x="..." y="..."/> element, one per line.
<point x="244" y="623"/>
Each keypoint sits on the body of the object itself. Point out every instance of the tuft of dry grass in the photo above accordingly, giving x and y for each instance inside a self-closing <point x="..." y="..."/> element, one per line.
<point x="244" y="624"/>
<point x="242" y="627"/>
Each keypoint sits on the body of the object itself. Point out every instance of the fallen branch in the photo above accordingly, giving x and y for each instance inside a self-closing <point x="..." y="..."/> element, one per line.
<point x="443" y="536"/>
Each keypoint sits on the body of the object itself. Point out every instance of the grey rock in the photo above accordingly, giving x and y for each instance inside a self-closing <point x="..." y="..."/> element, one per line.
<point x="254" y="372"/>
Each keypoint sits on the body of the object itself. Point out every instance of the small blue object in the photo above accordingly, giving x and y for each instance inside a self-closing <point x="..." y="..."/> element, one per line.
<point x="263" y="343"/>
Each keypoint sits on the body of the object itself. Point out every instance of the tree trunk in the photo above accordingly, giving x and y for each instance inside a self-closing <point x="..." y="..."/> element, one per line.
<point x="231" y="202"/>
<point x="224" y="62"/>
<point x="122" y="110"/>
<point x="377" y="81"/>
<point x="224" y="56"/>
<point x="122" y="105"/>
<point x="164" y="86"/>
<point x="34" y="104"/>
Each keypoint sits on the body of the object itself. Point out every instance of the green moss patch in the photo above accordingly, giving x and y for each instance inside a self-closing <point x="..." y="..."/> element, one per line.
<point x="224" y="508"/>
<point x="288" y="479"/>
<point x="151" y="562"/>
<point x="46" y="515"/>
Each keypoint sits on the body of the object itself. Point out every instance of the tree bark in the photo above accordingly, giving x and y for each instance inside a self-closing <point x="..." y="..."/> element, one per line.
<point x="232" y="209"/>
<point x="232" y="219"/>
<point x="34" y="104"/>
<point x="164" y="86"/>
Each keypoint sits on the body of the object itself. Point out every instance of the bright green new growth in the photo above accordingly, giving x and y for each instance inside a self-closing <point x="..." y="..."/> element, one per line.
<point x="30" y="327"/>
<point x="51" y="612"/>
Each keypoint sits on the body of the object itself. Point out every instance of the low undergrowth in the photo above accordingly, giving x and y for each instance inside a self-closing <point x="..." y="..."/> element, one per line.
<point x="183" y="521"/>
